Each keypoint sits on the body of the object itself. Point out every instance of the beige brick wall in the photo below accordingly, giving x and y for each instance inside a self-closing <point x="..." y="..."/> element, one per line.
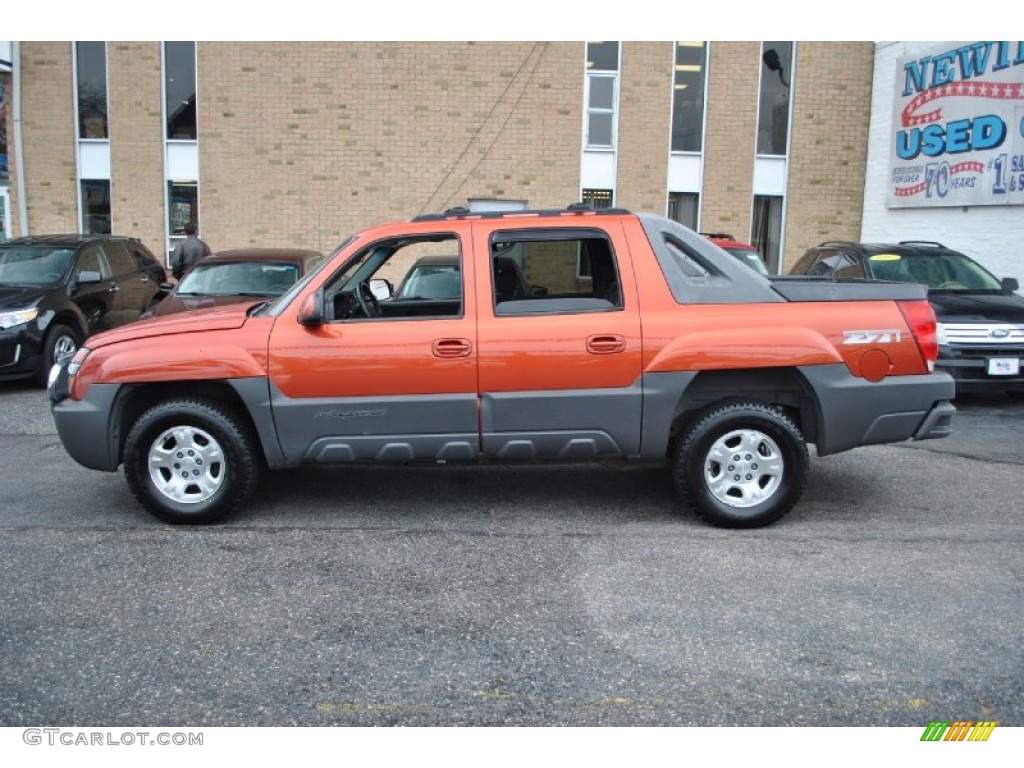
<point x="135" y="117"/>
<point x="645" y="114"/>
<point x="733" y="83"/>
<point x="829" y="142"/>
<point x="302" y="144"/>
<point x="48" y="140"/>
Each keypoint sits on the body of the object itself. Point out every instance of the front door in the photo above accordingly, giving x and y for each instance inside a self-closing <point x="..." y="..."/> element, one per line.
<point x="386" y="376"/>
<point x="100" y="302"/>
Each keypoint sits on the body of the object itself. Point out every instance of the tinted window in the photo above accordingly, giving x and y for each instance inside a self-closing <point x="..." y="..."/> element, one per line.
<point x="143" y="258"/>
<point x="117" y="256"/>
<point x="539" y="273"/>
<point x="180" y="86"/>
<point x="91" y="66"/>
<point x="92" y="259"/>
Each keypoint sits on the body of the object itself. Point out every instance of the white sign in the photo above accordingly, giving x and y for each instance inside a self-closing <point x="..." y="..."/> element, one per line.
<point x="958" y="126"/>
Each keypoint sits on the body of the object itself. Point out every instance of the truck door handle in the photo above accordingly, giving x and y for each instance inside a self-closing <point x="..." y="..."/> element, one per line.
<point x="452" y="347"/>
<point x="605" y="344"/>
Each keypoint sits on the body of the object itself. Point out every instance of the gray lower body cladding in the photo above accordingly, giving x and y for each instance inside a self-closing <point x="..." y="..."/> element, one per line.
<point x="854" y="411"/>
<point x="633" y="422"/>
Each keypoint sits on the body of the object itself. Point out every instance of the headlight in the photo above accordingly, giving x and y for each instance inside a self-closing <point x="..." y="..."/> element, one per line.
<point x="940" y="334"/>
<point x="11" y="319"/>
<point x="76" y="362"/>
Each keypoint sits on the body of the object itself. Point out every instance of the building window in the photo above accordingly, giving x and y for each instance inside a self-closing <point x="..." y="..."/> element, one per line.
<point x="182" y="209"/>
<point x="688" y="97"/>
<point x="683" y="207"/>
<point x="773" y="112"/>
<point x="598" y="198"/>
<point x="180" y="89"/>
<point x="766" y="229"/>
<point x="602" y="93"/>
<point x="91" y="87"/>
<point x="96" y="206"/>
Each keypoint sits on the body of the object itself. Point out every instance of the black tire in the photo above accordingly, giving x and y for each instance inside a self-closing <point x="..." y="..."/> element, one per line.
<point x="765" y="481"/>
<point x="59" y="340"/>
<point x="202" y="438"/>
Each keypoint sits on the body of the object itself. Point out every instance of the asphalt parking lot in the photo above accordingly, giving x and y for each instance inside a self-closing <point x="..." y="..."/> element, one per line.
<point x="582" y="595"/>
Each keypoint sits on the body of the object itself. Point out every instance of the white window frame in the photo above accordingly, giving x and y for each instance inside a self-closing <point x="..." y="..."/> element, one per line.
<point x="613" y="111"/>
<point x="181" y="156"/>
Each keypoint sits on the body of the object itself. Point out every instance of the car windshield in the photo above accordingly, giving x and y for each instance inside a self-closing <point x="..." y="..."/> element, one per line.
<point x="275" y="306"/>
<point x="751" y="258"/>
<point x="948" y="271"/>
<point x="33" y="265"/>
<point x="262" y="278"/>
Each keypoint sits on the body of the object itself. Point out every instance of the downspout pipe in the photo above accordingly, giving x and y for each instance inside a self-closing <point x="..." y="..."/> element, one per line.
<point x="19" y="154"/>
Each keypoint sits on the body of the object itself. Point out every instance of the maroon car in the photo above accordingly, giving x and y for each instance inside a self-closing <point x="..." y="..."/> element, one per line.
<point x="231" y="277"/>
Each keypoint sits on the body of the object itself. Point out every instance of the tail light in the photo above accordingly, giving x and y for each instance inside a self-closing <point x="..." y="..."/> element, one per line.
<point x="921" y="318"/>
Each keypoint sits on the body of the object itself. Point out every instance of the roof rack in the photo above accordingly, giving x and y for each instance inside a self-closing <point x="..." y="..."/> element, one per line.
<point x="461" y="212"/>
<point x="837" y="242"/>
<point x="931" y="243"/>
<point x="717" y="235"/>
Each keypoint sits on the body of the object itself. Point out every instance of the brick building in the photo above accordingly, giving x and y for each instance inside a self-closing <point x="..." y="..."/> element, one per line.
<point x="301" y="143"/>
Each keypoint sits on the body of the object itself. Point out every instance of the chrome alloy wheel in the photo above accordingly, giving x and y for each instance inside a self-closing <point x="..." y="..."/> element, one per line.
<point x="743" y="468"/>
<point x="186" y="464"/>
<point x="64" y="347"/>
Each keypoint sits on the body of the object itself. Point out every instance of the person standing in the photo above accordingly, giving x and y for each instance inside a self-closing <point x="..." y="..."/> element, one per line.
<point x="187" y="252"/>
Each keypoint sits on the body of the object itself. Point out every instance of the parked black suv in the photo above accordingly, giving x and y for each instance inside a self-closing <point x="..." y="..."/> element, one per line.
<point x="55" y="290"/>
<point x="981" y="319"/>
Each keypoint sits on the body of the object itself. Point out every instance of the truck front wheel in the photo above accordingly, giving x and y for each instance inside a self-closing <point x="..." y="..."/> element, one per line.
<point x="741" y="465"/>
<point x="190" y="461"/>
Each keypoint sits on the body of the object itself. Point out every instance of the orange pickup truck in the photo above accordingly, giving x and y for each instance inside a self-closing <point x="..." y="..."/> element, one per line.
<point x="546" y="335"/>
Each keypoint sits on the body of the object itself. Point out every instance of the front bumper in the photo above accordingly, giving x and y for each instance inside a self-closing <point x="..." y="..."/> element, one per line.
<point x="977" y="369"/>
<point x="85" y="426"/>
<point x="20" y="351"/>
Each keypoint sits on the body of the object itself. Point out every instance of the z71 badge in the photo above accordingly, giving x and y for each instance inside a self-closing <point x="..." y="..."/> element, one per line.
<point x="871" y="337"/>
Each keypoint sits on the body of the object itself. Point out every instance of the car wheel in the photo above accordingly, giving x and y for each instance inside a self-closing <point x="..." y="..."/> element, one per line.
<point x="191" y="461"/>
<point x="60" y="341"/>
<point x="741" y="465"/>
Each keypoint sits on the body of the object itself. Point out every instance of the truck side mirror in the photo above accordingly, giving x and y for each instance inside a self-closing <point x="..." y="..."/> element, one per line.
<point x="1010" y="284"/>
<point x="311" y="313"/>
<point x="382" y="289"/>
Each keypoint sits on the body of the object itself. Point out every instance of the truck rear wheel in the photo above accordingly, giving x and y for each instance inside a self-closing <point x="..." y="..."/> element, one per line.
<point x="741" y="465"/>
<point x="190" y="461"/>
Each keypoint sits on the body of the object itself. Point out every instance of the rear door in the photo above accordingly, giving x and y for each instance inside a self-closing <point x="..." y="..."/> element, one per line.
<point x="560" y="359"/>
<point x="134" y="287"/>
